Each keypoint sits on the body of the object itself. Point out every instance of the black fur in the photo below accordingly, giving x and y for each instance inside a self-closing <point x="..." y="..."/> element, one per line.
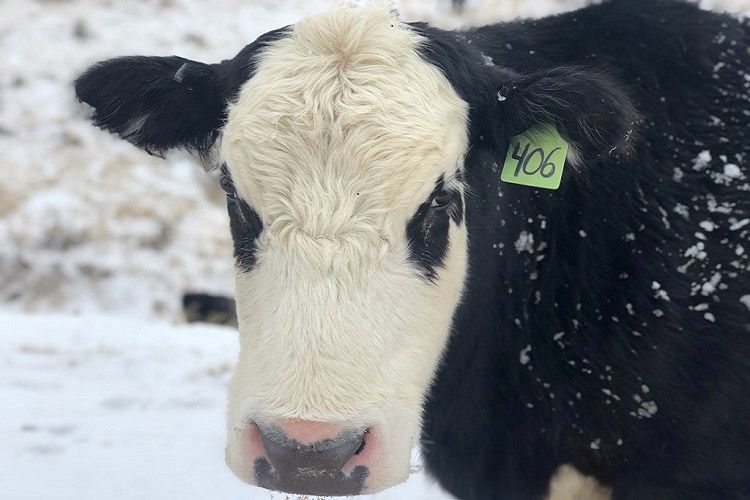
<point x="146" y="102"/>
<point x="205" y="308"/>
<point x="163" y="103"/>
<point x="604" y="344"/>
<point x="244" y="223"/>
<point x="246" y="226"/>
<point x="427" y="230"/>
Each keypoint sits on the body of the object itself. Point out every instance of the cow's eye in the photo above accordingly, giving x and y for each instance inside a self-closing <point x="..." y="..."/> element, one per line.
<point x="442" y="200"/>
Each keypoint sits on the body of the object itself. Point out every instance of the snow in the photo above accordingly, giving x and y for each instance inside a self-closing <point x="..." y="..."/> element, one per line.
<point x="523" y="356"/>
<point x="702" y="160"/>
<point x="697" y="251"/>
<point x="525" y="242"/>
<point x="709" y="287"/>
<point x="648" y="408"/>
<point x="733" y="171"/>
<point x="659" y="293"/>
<point x="681" y="209"/>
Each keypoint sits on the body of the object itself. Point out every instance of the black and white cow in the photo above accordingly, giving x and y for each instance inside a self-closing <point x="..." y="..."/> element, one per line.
<point x="592" y="340"/>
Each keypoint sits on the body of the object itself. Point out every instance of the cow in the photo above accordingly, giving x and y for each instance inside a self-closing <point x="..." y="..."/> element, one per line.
<point x="585" y="321"/>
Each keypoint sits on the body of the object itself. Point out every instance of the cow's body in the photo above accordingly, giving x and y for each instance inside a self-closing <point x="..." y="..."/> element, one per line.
<point x="604" y="325"/>
<point x="611" y="340"/>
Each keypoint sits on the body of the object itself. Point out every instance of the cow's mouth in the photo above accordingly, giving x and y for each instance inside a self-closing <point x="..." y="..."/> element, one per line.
<point x="310" y="481"/>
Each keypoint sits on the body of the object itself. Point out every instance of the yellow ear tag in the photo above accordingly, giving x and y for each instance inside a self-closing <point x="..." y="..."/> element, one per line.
<point x="536" y="158"/>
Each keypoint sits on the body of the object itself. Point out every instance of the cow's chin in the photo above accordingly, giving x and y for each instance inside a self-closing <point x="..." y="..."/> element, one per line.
<point x="381" y="461"/>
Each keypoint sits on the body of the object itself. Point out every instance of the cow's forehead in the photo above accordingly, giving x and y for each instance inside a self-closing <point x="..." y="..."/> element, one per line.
<point x="343" y="121"/>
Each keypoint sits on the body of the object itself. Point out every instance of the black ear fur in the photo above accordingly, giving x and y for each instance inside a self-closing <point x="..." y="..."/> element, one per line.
<point x="591" y="111"/>
<point x="156" y="103"/>
<point x="161" y="103"/>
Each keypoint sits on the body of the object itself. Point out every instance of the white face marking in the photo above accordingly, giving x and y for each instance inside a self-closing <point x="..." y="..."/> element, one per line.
<point x="335" y="142"/>
<point x="568" y="483"/>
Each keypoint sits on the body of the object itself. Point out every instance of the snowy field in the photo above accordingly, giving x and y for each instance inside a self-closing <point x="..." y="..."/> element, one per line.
<point x="105" y="393"/>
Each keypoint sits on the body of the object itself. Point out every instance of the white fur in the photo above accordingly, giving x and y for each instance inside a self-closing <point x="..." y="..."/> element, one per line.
<point x="574" y="156"/>
<point x="335" y="141"/>
<point x="180" y="74"/>
<point x="569" y="484"/>
<point x="134" y="128"/>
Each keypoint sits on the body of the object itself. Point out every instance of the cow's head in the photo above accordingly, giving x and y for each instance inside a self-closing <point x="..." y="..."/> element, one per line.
<point x="341" y="142"/>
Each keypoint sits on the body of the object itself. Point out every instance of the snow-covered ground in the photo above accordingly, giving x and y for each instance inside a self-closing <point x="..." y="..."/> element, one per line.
<point x="104" y="393"/>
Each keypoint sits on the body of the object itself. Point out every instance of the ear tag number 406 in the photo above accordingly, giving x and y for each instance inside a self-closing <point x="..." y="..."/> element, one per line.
<point x="536" y="158"/>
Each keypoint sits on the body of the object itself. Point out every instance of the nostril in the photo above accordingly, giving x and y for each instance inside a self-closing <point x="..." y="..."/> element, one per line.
<point x="310" y="467"/>
<point x="362" y="446"/>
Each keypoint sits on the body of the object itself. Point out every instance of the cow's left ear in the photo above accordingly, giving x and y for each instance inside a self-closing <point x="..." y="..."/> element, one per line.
<point x="590" y="110"/>
<point x="156" y="103"/>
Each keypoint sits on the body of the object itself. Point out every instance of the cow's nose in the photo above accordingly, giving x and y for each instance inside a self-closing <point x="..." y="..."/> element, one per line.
<point x="307" y="457"/>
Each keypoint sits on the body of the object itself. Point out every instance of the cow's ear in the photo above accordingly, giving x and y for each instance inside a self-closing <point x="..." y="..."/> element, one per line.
<point x="156" y="103"/>
<point x="590" y="110"/>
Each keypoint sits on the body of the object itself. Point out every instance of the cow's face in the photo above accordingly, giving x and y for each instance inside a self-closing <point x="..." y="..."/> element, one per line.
<point x="342" y="153"/>
<point x="344" y="158"/>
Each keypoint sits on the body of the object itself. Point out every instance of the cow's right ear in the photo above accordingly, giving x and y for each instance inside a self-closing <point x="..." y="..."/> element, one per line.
<point x="156" y="103"/>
